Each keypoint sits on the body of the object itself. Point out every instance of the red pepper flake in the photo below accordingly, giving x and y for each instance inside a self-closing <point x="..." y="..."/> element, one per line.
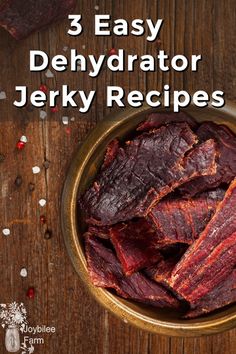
<point x="43" y="88"/>
<point x="30" y="293"/>
<point x="20" y="145"/>
<point x="54" y="109"/>
<point x="112" y="51"/>
<point x="68" y="131"/>
<point x="43" y="219"/>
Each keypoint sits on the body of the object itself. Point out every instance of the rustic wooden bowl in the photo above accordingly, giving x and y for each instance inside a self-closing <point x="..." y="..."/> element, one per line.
<point x="84" y="167"/>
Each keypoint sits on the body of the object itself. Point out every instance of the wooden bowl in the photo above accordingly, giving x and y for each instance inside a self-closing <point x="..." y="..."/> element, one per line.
<point x="83" y="169"/>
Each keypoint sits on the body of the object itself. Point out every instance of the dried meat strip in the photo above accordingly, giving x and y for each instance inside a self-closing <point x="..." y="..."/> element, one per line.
<point x="99" y="231"/>
<point x="161" y="272"/>
<point x="226" y="162"/>
<point x="136" y="245"/>
<point x="211" y="258"/>
<point x="148" y="168"/>
<point x="105" y="271"/>
<point x="21" y="18"/>
<point x="111" y="152"/>
<point x="182" y="220"/>
<point x="222" y="295"/>
<point x="156" y="120"/>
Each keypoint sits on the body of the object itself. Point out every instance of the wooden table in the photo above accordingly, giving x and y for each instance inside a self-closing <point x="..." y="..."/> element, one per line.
<point x="204" y="27"/>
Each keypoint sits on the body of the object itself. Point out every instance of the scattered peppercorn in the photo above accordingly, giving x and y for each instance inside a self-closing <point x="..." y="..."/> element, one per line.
<point x="54" y="109"/>
<point x="46" y="164"/>
<point x="30" y="108"/>
<point x="20" y="145"/>
<point x="112" y="51"/>
<point x="43" y="219"/>
<point x="48" y="234"/>
<point x="43" y="88"/>
<point x="18" y="181"/>
<point x="30" y="293"/>
<point x="2" y="158"/>
<point x="31" y="187"/>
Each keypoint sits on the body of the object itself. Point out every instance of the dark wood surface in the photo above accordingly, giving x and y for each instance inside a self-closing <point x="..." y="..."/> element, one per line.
<point x="204" y="27"/>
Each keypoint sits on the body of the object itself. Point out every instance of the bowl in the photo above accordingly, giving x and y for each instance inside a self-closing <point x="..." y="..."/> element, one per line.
<point x="84" y="167"/>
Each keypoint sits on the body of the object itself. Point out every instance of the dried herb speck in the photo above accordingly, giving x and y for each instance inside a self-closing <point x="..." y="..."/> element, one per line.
<point x="31" y="187"/>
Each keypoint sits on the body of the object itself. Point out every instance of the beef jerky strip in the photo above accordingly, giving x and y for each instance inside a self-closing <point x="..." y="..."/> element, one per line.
<point x="162" y="270"/>
<point x="105" y="271"/>
<point x="226" y="162"/>
<point x="220" y="296"/>
<point x="20" y="18"/>
<point x="111" y="152"/>
<point x="147" y="169"/>
<point x="99" y="231"/>
<point x="156" y="120"/>
<point x="136" y="245"/>
<point x="181" y="220"/>
<point x="211" y="258"/>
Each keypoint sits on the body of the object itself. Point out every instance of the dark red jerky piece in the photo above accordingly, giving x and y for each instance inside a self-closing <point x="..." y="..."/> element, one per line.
<point x="105" y="271"/>
<point x="147" y="169"/>
<point x="222" y="295"/>
<point x="111" y="152"/>
<point x="135" y="244"/>
<point x="211" y="258"/>
<point x="226" y="161"/>
<point x="181" y="220"/>
<point x="162" y="270"/>
<point x="99" y="231"/>
<point x="21" y="18"/>
<point x="128" y="183"/>
<point x="156" y="120"/>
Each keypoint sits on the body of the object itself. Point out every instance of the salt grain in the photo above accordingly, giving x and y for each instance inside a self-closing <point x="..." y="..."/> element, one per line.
<point x="65" y="48"/>
<point x="6" y="232"/>
<point x="65" y="120"/>
<point x="23" y="139"/>
<point x="35" y="170"/>
<point x="96" y="7"/>
<point x="42" y="114"/>
<point x="42" y="202"/>
<point x="23" y="273"/>
<point x="49" y="74"/>
<point x="83" y="46"/>
<point x="3" y="95"/>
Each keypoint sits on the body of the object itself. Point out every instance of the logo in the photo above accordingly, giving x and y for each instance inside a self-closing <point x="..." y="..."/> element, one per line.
<point x="13" y="317"/>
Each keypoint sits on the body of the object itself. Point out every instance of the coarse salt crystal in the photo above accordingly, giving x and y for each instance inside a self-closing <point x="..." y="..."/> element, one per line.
<point x="65" y="48"/>
<point x="96" y="7"/>
<point x="23" y="139"/>
<point x="3" y="95"/>
<point x="42" y="114"/>
<point x="49" y="74"/>
<point x="72" y="119"/>
<point x="23" y="273"/>
<point x="35" y="170"/>
<point x="83" y="46"/>
<point x="65" y="120"/>
<point x="6" y="232"/>
<point x="42" y="202"/>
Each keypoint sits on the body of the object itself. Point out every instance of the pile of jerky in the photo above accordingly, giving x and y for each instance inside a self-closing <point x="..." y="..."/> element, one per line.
<point x="21" y="18"/>
<point x="161" y="216"/>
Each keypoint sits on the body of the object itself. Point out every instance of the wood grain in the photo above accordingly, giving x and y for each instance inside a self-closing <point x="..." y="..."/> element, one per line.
<point x="204" y="27"/>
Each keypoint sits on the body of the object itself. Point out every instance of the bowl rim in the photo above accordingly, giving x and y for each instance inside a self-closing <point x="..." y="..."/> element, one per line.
<point x="207" y="325"/>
